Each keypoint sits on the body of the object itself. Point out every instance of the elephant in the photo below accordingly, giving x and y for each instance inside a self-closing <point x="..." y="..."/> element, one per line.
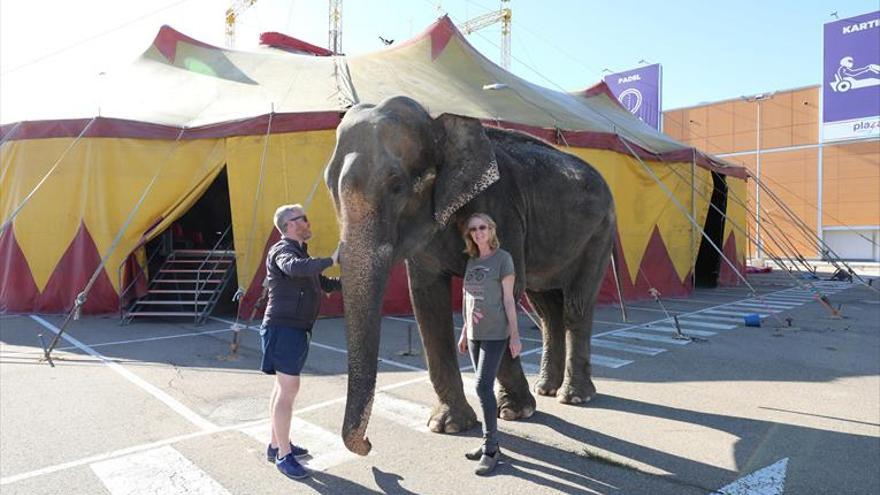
<point x="402" y="184"/>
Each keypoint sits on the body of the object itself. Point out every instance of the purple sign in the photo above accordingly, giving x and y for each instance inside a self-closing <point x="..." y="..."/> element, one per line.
<point x="638" y="90"/>
<point x="851" y="78"/>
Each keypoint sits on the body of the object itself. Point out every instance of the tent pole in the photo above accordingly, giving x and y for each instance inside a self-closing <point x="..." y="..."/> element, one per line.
<point x="694" y="214"/>
<point x="617" y="285"/>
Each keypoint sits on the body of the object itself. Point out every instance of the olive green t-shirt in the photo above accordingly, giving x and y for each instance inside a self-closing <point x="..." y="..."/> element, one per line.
<point x="484" y="296"/>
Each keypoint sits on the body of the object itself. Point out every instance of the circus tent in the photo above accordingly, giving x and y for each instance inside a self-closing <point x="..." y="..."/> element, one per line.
<point x="93" y="172"/>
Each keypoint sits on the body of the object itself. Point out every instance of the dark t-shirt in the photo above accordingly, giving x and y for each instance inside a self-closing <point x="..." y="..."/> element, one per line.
<point x="483" y="295"/>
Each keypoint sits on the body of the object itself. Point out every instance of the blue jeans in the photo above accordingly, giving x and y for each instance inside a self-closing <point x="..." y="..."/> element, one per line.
<point x="486" y="357"/>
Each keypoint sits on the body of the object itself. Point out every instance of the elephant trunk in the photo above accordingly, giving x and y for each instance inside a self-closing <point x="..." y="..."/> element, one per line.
<point x="365" y="270"/>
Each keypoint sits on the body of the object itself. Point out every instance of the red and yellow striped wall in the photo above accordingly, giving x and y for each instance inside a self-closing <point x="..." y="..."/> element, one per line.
<point x="70" y="222"/>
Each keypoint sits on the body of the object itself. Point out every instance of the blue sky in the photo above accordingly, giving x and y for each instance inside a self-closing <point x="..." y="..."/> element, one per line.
<point x="709" y="50"/>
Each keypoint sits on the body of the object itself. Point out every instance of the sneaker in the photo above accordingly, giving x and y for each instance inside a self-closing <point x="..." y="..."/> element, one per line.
<point x="475" y="454"/>
<point x="487" y="463"/>
<point x="290" y="467"/>
<point x="296" y="450"/>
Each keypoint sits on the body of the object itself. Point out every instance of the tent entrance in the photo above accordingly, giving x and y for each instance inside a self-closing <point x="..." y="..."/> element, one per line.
<point x="708" y="265"/>
<point x="191" y="263"/>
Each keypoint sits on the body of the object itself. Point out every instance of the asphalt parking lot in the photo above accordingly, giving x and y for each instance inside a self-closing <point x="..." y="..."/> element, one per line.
<point x="161" y="407"/>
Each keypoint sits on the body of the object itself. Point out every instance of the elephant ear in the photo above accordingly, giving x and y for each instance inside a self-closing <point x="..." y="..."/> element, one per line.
<point x="468" y="164"/>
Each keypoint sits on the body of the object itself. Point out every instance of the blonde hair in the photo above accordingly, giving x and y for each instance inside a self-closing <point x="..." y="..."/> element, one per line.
<point x="470" y="246"/>
<point x="282" y="213"/>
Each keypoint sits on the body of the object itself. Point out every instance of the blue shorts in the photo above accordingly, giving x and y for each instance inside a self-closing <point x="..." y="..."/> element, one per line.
<point x="285" y="349"/>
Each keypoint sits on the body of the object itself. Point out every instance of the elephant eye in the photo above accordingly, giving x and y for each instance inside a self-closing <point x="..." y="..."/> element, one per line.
<point x="396" y="186"/>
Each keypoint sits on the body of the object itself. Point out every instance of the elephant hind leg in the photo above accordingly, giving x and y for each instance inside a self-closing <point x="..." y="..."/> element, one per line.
<point x="549" y="306"/>
<point x="580" y="304"/>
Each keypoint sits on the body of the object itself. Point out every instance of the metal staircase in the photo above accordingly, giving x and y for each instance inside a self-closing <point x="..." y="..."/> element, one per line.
<point x="188" y="284"/>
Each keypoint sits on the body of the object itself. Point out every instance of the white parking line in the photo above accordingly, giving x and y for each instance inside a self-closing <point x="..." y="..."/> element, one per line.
<point x="162" y="470"/>
<point x="147" y="387"/>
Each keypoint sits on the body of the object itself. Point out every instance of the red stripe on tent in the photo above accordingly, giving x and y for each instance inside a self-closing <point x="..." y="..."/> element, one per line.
<point x="281" y="123"/>
<point x="600" y="88"/>
<point x="548" y="135"/>
<point x="289" y="43"/>
<point x="109" y="127"/>
<point x="18" y="292"/>
<point x="441" y="32"/>
<point x="726" y="275"/>
<point x="71" y="276"/>
<point x="656" y="270"/>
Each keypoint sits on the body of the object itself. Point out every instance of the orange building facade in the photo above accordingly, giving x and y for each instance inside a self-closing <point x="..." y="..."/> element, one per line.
<point x="833" y="188"/>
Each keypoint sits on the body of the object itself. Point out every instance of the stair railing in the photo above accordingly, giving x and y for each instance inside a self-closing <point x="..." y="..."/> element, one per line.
<point x="201" y="284"/>
<point x="124" y="292"/>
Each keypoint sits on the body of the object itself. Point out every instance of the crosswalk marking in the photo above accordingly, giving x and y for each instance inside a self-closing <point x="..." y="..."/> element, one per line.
<point x="753" y="309"/>
<point x="404" y="412"/>
<point x="620" y="346"/>
<point x="326" y="448"/>
<point x="162" y="470"/>
<point x="608" y="361"/>
<point x="734" y="313"/>
<point x="647" y="336"/>
<point x="705" y="316"/>
<point x="791" y="297"/>
<point x="697" y="321"/>
<point x="758" y="304"/>
<point x="670" y="328"/>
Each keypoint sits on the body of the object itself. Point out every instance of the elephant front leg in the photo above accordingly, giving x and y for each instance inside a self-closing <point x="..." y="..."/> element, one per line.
<point x="433" y="308"/>
<point x="548" y="304"/>
<point x="514" y="399"/>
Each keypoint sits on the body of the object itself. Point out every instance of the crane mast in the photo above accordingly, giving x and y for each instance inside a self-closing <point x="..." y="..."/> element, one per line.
<point x="335" y="22"/>
<point x="502" y="15"/>
<point x="232" y="13"/>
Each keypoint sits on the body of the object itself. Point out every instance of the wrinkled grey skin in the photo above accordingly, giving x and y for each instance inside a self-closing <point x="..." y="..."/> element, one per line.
<point x="403" y="184"/>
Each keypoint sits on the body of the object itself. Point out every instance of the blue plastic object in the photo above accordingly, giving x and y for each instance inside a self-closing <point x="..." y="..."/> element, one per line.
<point x="752" y="320"/>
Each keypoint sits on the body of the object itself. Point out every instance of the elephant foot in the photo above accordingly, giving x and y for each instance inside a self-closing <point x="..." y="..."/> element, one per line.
<point x="447" y="419"/>
<point x="570" y="393"/>
<point x="511" y="409"/>
<point x="547" y="386"/>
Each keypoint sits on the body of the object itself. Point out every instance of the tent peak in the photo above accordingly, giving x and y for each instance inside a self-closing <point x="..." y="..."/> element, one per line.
<point x="167" y="38"/>
<point x="290" y="44"/>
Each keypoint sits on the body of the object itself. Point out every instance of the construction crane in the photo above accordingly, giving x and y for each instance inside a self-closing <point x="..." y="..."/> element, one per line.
<point x="335" y="23"/>
<point x="503" y="15"/>
<point x="232" y="13"/>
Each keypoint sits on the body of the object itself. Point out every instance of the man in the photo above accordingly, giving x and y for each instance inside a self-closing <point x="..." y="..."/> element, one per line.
<point x="295" y="283"/>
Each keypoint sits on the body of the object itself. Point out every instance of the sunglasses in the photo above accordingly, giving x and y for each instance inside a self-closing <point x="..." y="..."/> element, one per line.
<point x="478" y="227"/>
<point x="304" y="219"/>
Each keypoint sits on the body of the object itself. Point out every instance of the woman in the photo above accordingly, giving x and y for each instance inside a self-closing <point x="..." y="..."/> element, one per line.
<point x="490" y="324"/>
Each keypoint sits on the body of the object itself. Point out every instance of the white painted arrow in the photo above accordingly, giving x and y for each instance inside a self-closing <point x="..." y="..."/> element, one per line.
<point x="766" y="481"/>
